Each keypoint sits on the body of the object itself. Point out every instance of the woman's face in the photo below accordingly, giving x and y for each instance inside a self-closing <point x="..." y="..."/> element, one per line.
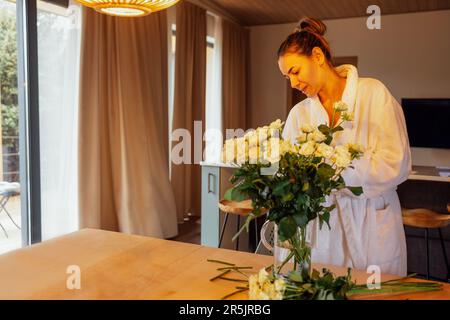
<point x="305" y="73"/>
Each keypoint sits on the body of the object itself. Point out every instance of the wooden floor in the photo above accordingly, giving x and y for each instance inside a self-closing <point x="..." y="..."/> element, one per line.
<point x="189" y="231"/>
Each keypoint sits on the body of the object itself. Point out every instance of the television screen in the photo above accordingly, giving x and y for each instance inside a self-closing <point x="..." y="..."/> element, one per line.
<point x="428" y="122"/>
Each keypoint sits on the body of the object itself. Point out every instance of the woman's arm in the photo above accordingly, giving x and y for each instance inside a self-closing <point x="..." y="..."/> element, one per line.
<point x="387" y="159"/>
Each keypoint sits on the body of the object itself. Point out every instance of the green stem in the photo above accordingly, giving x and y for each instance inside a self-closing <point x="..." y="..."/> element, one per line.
<point x="221" y="262"/>
<point x="340" y="123"/>
<point x="239" y="271"/>
<point x="245" y="226"/>
<point x="301" y="252"/>
<point x="234" y="268"/>
<point x="220" y="275"/>
<point x="289" y="257"/>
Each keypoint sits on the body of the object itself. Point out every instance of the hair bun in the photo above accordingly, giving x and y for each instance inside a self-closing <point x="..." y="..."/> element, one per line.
<point x="311" y="25"/>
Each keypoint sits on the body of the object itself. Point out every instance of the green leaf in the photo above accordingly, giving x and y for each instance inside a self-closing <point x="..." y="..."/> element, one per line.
<point x="305" y="186"/>
<point x="325" y="172"/>
<point x="337" y="129"/>
<point x="287" y="197"/>
<point x="324" y="129"/>
<point x="303" y="200"/>
<point x="234" y="194"/>
<point x="295" y="276"/>
<point x="301" y="219"/>
<point x="287" y="228"/>
<point x="325" y="217"/>
<point x="357" y="191"/>
<point x="279" y="190"/>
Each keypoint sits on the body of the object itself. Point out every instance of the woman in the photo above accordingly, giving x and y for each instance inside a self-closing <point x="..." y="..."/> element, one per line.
<point x="365" y="230"/>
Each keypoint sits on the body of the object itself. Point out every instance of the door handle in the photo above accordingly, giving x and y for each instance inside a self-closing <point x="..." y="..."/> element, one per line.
<point x="213" y="190"/>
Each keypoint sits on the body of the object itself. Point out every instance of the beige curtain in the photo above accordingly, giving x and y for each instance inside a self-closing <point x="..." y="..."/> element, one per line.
<point x="235" y="44"/>
<point x="234" y="76"/>
<point x="124" y="176"/>
<point x="189" y="101"/>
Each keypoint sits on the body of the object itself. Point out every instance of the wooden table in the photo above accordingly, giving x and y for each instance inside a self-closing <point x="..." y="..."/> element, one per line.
<point x="119" y="266"/>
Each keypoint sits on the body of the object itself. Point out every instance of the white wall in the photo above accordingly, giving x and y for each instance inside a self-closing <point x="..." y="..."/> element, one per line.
<point x="410" y="55"/>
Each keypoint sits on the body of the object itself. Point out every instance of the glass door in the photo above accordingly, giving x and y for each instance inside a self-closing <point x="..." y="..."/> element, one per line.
<point x="58" y="39"/>
<point x="10" y="198"/>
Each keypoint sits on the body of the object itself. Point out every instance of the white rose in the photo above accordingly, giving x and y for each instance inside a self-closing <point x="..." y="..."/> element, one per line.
<point x="276" y="290"/>
<point x="272" y="157"/>
<point x="307" y="148"/>
<point x="301" y="137"/>
<point x="280" y="284"/>
<point x="324" y="150"/>
<point x="342" y="150"/>
<point x="271" y="143"/>
<point x="242" y="150"/>
<point x="254" y="154"/>
<point x="347" y="116"/>
<point x="355" y="147"/>
<point x="229" y="151"/>
<point x="285" y="147"/>
<point x="342" y="161"/>
<point x="277" y="125"/>
<point x="249" y="133"/>
<point x="272" y="150"/>
<point x="261" y="287"/>
<point x="252" y="138"/>
<point x="294" y="148"/>
<point x="307" y="128"/>
<point x="263" y="134"/>
<point x="342" y="157"/>
<point x="263" y="276"/>
<point x="317" y="136"/>
<point x="263" y="296"/>
<point x="340" y="106"/>
<point x="276" y="296"/>
<point x="253" y="287"/>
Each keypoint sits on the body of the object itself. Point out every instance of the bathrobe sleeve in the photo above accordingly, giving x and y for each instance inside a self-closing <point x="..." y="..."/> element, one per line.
<point x="387" y="159"/>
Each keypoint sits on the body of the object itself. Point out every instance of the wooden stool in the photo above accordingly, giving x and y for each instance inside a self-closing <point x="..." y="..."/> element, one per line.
<point x="240" y="209"/>
<point x="428" y="219"/>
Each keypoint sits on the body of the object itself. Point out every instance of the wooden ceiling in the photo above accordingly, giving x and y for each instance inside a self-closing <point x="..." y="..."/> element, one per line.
<point x="261" y="12"/>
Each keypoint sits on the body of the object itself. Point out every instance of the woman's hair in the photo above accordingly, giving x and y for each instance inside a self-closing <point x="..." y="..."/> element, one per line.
<point x="308" y="34"/>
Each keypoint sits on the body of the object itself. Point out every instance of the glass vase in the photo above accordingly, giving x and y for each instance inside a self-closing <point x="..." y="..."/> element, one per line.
<point x="293" y="254"/>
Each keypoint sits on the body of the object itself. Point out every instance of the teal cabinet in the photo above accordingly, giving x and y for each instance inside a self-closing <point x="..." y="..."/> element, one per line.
<point x="210" y="211"/>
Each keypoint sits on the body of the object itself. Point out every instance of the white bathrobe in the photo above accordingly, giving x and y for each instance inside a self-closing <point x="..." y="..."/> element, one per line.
<point x="365" y="230"/>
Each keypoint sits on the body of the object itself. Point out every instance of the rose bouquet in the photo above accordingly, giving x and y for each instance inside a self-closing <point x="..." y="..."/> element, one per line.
<point x="291" y="179"/>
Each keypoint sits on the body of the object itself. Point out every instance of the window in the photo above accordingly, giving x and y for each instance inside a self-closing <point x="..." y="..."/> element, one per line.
<point x="59" y="31"/>
<point x="58" y="51"/>
<point x="10" y="201"/>
<point x="213" y="112"/>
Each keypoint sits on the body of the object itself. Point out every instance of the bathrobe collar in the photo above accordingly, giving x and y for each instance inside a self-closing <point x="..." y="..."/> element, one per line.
<point x="349" y="95"/>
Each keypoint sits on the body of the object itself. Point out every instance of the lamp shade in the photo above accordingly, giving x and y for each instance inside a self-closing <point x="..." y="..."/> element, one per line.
<point x="128" y="8"/>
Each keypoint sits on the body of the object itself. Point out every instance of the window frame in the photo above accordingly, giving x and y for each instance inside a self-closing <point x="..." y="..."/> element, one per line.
<point x="29" y="142"/>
